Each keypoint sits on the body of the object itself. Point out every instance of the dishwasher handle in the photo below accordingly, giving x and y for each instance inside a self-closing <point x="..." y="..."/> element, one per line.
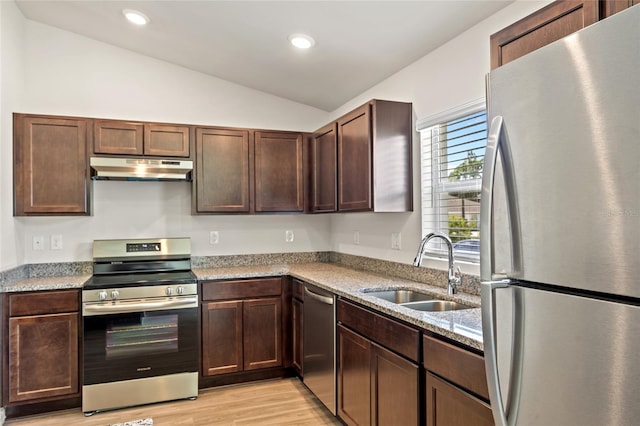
<point x="319" y="297"/>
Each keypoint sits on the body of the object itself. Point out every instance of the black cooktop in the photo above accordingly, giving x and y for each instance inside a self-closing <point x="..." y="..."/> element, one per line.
<point x="140" y="279"/>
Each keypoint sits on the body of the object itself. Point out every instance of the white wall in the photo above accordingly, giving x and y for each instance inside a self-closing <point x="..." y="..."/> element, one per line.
<point x="67" y="74"/>
<point x="71" y="75"/>
<point x="11" y="86"/>
<point x="449" y="76"/>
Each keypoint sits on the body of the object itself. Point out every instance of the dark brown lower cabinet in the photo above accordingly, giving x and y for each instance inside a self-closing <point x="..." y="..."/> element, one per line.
<point x="376" y="386"/>
<point x="448" y="405"/>
<point x="297" y="324"/>
<point x="41" y="348"/>
<point x="262" y="338"/>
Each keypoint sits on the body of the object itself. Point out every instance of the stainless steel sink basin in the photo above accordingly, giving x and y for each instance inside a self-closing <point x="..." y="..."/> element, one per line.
<point x="436" y="306"/>
<point x="417" y="301"/>
<point x="400" y="296"/>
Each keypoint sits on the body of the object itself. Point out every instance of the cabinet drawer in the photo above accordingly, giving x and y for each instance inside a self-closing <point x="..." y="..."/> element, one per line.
<point x="385" y="331"/>
<point x="462" y="367"/>
<point x="238" y="289"/>
<point x="43" y="302"/>
<point x="298" y="289"/>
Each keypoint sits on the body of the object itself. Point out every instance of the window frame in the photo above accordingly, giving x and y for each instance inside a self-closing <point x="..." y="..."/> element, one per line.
<point x="437" y="185"/>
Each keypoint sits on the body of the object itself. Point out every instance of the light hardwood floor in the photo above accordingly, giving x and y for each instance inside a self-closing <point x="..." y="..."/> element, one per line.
<point x="273" y="402"/>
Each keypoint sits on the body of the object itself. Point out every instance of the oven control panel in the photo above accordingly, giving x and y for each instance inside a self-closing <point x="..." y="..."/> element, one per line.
<point x="127" y="293"/>
<point x="142" y="247"/>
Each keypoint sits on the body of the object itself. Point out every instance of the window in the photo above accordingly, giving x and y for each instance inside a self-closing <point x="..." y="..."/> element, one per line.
<point x="452" y="155"/>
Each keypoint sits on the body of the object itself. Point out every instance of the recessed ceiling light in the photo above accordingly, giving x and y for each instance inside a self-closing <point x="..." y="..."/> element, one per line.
<point x="136" y="17"/>
<point x="301" y="41"/>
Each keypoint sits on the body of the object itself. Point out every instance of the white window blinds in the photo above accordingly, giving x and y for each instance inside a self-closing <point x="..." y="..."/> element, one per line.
<point x="452" y="155"/>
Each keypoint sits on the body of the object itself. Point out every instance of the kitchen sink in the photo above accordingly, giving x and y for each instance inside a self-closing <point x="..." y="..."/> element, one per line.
<point x="417" y="301"/>
<point x="436" y="305"/>
<point x="400" y="296"/>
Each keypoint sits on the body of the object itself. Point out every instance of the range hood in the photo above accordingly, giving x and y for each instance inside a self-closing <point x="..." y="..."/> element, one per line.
<point x="139" y="168"/>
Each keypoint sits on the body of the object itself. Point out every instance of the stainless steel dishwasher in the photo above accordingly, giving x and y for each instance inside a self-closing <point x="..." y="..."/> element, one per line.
<point x="319" y="342"/>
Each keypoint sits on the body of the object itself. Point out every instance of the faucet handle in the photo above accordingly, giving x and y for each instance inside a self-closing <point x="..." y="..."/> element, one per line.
<point x="457" y="275"/>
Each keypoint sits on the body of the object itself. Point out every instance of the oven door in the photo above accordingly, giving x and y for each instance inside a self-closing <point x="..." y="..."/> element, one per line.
<point x="140" y="344"/>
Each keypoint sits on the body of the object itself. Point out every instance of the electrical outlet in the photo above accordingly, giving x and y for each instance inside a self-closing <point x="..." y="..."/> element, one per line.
<point x="38" y="242"/>
<point x="56" y="242"/>
<point x="214" y="237"/>
<point x="396" y="241"/>
<point x="356" y="237"/>
<point x="288" y="236"/>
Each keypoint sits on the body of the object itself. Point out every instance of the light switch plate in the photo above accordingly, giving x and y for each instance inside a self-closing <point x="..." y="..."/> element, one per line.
<point x="56" y="242"/>
<point x="214" y="237"/>
<point x="288" y="236"/>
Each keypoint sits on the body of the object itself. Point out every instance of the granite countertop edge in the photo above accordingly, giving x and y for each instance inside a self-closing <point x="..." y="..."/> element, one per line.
<point x="463" y="326"/>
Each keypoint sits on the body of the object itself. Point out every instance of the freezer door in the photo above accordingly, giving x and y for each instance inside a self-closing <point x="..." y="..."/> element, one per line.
<point x="566" y="360"/>
<point x="571" y="123"/>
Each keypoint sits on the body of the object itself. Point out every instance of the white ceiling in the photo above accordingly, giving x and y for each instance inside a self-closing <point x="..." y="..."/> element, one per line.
<point x="358" y="43"/>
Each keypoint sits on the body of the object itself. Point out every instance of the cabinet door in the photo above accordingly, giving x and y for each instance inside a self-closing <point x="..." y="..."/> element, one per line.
<point x="43" y="356"/>
<point x="354" y="160"/>
<point x="118" y="137"/>
<point x="395" y="389"/>
<point x="164" y="140"/>
<point x="50" y="166"/>
<point x="222" y="170"/>
<point x="551" y="23"/>
<point x="221" y="337"/>
<point x="262" y="333"/>
<point x="448" y="405"/>
<point x="354" y="378"/>
<point x="279" y="174"/>
<point x="297" y="321"/>
<point x="324" y="150"/>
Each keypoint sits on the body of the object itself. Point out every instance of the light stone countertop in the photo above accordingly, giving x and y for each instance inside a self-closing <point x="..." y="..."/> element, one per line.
<point x="464" y="326"/>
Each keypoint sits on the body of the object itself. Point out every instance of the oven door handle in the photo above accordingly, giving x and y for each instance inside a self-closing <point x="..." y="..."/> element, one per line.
<point x="106" y="308"/>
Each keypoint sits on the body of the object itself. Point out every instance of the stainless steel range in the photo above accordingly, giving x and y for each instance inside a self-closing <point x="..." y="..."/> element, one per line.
<point x="140" y="317"/>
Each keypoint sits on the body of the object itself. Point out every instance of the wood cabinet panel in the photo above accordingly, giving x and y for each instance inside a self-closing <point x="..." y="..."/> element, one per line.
<point x="237" y="289"/>
<point x="222" y="337"/>
<point x="354" y="160"/>
<point x="462" y="367"/>
<point x="354" y="377"/>
<point x="297" y="340"/>
<point x="545" y="26"/>
<point x="279" y="174"/>
<point x="164" y="140"/>
<point x="610" y="7"/>
<point x="118" y="137"/>
<point x="386" y="331"/>
<point x="43" y="356"/>
<point x="222" y="170"/>
<point x="262" y="328"/>
<point x="450" y="406"/>
<point x="44" y="302"/>
<point x="51" y="175"/>
<point x="395" y="390"/>
<point x="324" y="150"/>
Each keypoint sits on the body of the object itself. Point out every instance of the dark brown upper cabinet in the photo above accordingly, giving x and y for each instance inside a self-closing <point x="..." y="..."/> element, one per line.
<point x="610" y="7"/>
<point x="222" y="171"/>
<point x="132" y="138"/>
<point x="248" y="171"/>
<point x="324" y="168"/>
<point x="373" y="160"/>
<point x="551" y="23"/>
<point x="279" y="174"/>
<point x="51" y="174"/>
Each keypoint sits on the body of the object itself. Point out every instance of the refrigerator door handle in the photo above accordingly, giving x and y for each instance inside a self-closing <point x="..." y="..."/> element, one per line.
<point x="487" y="289"/>
<point x="495" y="143"/>
<point x="486" y="207"/>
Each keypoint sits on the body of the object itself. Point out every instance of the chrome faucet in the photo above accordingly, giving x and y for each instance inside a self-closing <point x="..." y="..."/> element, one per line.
<point x="454" y="280"/>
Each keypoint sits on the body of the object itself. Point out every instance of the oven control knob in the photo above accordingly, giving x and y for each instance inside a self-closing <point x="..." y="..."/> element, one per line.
<point x="115" y="294"/>
<point x="102" y="295"/>
<point x="180" y="290"/>
<point x="169" y="291"/>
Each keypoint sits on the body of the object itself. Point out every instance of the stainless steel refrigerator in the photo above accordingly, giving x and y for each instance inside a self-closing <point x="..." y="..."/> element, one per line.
<point x="560" y="231"/>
